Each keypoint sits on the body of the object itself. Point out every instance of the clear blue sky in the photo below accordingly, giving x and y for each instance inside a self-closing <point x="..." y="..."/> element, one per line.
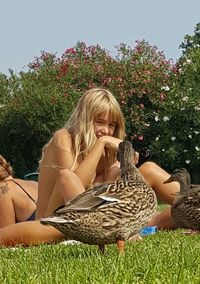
<point x="30" y="26"/>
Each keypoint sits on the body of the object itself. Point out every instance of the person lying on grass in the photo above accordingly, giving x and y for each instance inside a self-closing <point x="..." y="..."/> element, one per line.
<point x="17" y="197"/>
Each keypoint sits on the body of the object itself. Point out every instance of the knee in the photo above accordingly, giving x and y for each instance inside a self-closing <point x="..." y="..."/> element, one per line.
<point x="64" y="174"/>
<point x="150" y="172"/>
<point x="148" y="168"/>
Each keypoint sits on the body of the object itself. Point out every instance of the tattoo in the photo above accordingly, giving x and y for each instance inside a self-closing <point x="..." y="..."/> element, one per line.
<point x="4" y="189"/>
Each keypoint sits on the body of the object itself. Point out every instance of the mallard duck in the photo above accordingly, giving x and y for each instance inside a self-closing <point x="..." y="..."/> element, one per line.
<point x="185" y="209"/>
<point x="182" y="176"/>
<point x="111" y="212"/>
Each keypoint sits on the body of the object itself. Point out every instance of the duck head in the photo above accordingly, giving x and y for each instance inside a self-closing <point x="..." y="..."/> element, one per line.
<point x="125" y="153"/>
<point x="182" y="176"/>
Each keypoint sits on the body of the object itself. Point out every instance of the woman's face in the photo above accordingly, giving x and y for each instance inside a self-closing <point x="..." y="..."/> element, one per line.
<point x="103" y="125"/>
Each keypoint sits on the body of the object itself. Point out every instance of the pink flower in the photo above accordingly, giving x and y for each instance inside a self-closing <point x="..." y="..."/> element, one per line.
<point x="63" y="69"/>
<point x="70" y="51"/>
<point x="162" y="96"/>
<point x="140" y="137"/>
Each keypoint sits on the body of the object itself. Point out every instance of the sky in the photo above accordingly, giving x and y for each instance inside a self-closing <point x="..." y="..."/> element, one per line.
<point x="28" y="27"/>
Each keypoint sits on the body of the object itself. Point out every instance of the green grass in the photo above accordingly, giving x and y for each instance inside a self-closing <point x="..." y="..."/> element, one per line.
<point x="165" y="257"/>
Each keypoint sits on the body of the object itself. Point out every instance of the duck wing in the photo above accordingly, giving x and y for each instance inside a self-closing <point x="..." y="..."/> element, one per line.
<point x="89" y="200"/>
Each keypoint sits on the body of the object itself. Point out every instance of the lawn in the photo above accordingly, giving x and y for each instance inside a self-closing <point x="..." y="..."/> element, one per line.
<point x="165" y="257"/>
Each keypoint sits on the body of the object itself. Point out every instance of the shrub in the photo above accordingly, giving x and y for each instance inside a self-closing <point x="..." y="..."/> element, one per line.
<point x="41" y="99"/>
<point x="35" y="108"/>
<point x="178" y="144"/>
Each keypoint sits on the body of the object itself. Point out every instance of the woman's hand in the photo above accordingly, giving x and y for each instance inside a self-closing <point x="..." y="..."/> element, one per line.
<point x="110" y="142"/>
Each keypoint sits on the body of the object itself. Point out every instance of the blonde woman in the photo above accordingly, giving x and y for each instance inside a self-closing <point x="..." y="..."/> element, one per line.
<point x="78" y="156"/>
<point x="17" y="197"/>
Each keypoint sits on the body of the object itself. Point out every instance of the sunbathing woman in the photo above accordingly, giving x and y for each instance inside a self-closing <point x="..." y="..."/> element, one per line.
<point x="78" y="156"/>
<point x="17" y="197"/>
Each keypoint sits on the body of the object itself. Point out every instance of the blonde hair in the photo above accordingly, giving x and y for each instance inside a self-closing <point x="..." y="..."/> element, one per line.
<point x="80" y="126"/>
<point x="94" y="102"/>
<point x="5" y="169"/>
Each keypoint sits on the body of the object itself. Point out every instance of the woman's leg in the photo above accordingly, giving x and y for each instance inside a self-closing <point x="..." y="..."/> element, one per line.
<point x="29" y="233"/>
<point x="155" y="176"/>
<point x="163" y="220"/>
<point x="68" y="185"/>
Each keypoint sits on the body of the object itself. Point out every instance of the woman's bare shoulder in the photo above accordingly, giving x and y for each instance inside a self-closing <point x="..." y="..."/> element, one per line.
<point x="62" y="139"/>
<point x="61" y="133"/>
<point x="59" y="151"/>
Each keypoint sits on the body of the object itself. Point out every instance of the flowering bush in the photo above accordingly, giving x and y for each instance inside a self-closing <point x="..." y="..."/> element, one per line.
<point x="137" y="77"/>
<point x="191" y="41"/>
<point x="41" y="99"/>
<point x="34" y="108"/>
<point x="178" y="144"/>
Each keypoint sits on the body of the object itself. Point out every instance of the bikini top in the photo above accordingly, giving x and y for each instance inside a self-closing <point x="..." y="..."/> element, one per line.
<point x="23" y="190"/>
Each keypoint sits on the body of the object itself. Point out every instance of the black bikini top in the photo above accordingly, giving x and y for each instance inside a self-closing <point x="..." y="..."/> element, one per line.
<point x="23" y="190"/>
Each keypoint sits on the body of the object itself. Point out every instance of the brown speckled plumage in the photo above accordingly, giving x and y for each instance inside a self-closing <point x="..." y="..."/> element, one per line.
<point x="110" y="212"/>
<point x="186" y="206"/>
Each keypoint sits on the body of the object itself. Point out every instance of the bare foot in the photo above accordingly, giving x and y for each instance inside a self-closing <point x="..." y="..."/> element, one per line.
<point x="191" y="232"/>
<point x="135" y="238"/>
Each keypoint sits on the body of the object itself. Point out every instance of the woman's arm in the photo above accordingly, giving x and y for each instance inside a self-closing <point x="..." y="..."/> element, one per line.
<point x="7" y="210"/>
<point x="87" y="167"/>
<point x="113" y="172"/>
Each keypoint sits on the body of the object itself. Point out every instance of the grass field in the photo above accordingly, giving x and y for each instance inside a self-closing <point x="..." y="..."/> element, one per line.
<point x="165" y="257"/>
